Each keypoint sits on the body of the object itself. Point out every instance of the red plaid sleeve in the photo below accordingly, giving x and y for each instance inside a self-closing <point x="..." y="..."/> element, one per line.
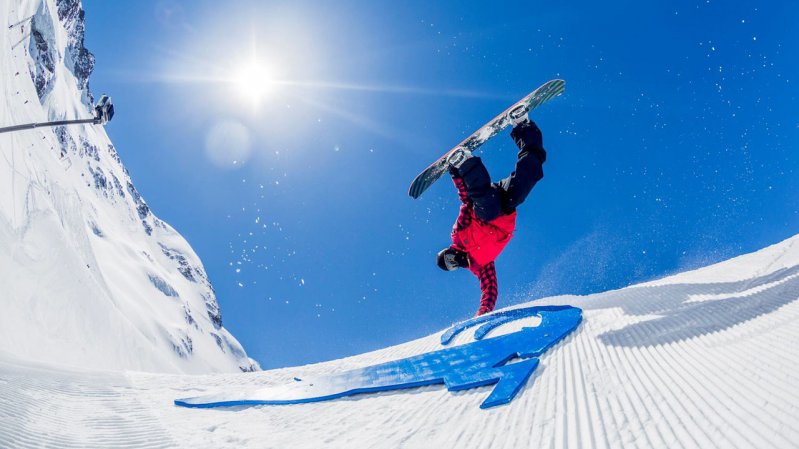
<point x="488" y="285"/>
<point x="461" y="186"/>
<point x="464" y="216"/>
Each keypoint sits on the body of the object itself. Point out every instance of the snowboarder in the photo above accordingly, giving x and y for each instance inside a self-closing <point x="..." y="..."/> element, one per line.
<point x="487" y="216"/>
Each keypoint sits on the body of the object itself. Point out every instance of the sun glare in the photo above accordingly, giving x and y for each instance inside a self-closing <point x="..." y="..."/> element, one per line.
<point x="253" y="81"/>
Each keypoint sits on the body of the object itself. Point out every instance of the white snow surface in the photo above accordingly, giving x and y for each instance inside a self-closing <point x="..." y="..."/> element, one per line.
<point x="90" y="276"/>
<point x="707" y="358"/>
<point x="90" y="322"/>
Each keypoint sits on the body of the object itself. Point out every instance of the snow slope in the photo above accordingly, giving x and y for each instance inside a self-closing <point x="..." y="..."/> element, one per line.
<point x="90" y="276"/>
<point x="706" y="358"/>
<point x="97" y="291"/>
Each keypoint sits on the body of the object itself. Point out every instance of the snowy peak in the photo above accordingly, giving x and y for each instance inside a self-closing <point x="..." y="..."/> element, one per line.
<point x="92" y="277"/>
<point x="77" y="58"/>
<point x="56" y="43"/>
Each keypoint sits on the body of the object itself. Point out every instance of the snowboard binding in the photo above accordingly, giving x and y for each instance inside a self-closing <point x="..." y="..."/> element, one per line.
<point x="458" y="157"/>
<point x="518" y="115"/>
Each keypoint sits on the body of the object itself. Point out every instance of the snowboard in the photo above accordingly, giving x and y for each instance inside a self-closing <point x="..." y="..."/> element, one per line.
<point x="425" y="179"/>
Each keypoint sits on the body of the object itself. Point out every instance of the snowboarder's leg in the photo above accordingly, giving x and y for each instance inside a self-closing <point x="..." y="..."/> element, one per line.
<point x="529" y="168"/>
<point x="484" y="196"/>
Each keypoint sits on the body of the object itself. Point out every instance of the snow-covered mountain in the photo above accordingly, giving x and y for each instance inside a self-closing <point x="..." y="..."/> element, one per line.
<point x="90" y="276"/>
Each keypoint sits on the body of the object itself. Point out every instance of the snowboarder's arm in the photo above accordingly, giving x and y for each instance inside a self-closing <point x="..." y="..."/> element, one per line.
<point x="464" y="216"/>
<point x="461" y="186"/>
<point x="488" y="285"/>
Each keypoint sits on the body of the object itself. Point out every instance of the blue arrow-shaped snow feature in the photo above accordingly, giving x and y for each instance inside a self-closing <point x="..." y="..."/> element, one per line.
<point x="507" y="361"/>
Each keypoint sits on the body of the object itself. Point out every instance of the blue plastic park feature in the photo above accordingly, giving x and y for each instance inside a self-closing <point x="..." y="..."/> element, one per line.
<point x="481" y="362"/>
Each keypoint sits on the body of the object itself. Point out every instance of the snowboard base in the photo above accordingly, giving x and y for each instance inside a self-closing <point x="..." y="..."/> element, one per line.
<point x="431" y="174"/>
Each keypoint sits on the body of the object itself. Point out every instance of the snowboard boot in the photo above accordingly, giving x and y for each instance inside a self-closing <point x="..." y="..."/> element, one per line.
<point x="518" y="115"/>
<point x="458" y="157"/>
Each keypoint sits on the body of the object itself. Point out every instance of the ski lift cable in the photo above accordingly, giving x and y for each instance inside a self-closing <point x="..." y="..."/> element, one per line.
<point x="103" y="113"/>
<point x="27" y="19"/>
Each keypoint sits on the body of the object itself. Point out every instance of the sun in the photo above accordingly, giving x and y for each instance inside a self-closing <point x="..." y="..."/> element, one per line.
<point x="253" y="81"/>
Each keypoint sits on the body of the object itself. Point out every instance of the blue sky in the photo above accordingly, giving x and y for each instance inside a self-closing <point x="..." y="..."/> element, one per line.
<point x="673" y="147"/>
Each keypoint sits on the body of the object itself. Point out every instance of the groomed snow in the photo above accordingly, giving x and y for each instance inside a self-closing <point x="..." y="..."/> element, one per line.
<point x="703" y="359"/>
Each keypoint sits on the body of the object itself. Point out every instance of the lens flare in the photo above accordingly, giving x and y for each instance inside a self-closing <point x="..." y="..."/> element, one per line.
<point x="228" y="144"/>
